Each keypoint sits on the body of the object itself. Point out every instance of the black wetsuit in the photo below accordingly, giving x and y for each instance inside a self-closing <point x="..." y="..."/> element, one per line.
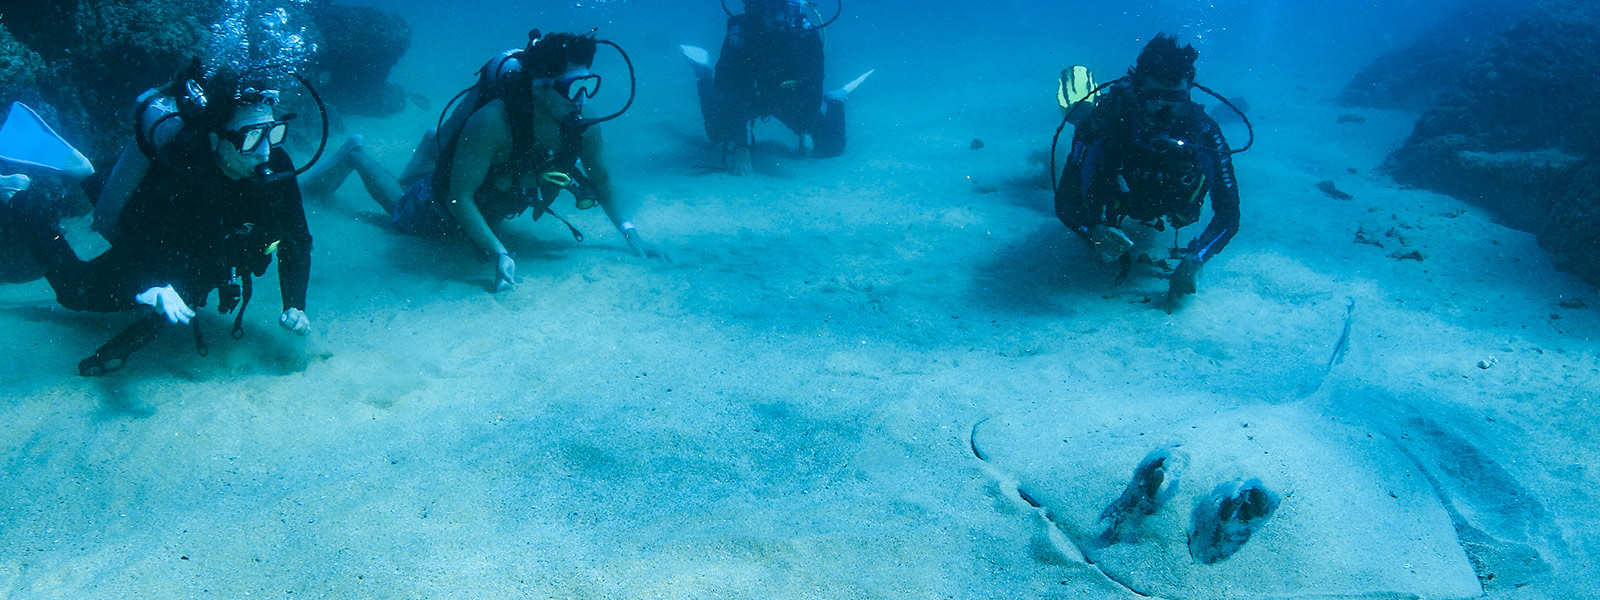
<point x="194" y="231"/>
<point x="1116" y="172"/>
<point x="775" y="73"/>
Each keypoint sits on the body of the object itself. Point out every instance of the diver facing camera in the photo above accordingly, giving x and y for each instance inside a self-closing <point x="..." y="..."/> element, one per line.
<point x="509" y="144"/>
<point x="160" y="118"/>
<point x="209" y="202"/>
<point x="771" y="65"/>
<point x="1144" y="152"/>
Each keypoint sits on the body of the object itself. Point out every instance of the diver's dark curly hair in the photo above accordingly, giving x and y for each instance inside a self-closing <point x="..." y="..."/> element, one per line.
<point x="549" y="55"/>
<point x="227" y="97"/>
<point x="1162" y="60"/>
<point x="208" y="103"/>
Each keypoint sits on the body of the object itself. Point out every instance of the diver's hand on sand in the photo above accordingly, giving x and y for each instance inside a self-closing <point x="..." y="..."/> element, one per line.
<point x="737" y="160"/>
<point x="641" y="248"/>
<point x="166" y="302"/>
<point x="1185" y="278"/>
<point x="505" y="273"/>
<point x="295" y="320"/>
<point x="1109" y="242"/>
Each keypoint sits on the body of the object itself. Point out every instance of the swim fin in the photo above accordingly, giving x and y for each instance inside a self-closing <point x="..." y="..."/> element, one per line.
<point x="26" y="139"/>
<point x="1076" y="92"/>
<point x="844" y="92"/>
<point x="699" y="60"/>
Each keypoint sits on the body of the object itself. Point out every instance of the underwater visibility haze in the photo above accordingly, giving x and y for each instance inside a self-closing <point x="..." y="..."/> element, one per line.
<point x="844" y="325"/>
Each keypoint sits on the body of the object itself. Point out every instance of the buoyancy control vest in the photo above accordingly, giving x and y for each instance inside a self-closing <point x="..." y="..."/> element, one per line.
<point x="521" y="183"/>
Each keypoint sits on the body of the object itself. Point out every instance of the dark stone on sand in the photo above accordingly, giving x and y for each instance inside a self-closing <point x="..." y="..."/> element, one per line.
<point x="1516" y="137"/>
<point x="1333" y="191"/>
<point x="1415" y="255"/>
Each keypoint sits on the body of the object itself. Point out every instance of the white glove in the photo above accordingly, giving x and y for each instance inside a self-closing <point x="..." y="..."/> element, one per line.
<point x="295" y="320"/>
<point x="167" y="302"/>
<point x="10" y="185"/>
<point x="505" y="273"/>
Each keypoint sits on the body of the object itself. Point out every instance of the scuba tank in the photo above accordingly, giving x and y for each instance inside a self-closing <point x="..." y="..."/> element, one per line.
<point x="503" y="78"/>
<point x="495" y="79"/>
<point x="811" y="7"/>
<point x="161" y="113"/>
<point x="1075" y="104"/>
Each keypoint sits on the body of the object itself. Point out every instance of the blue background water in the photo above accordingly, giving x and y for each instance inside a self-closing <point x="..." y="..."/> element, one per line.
<point x="786" y="411"/>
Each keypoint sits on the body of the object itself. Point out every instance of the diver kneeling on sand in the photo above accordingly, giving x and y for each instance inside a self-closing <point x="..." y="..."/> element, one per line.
<point x="518" y="138"/>
<point x="771" y="65"/>
<point x="214" y="198"/>
<point x="1143" y="151"/>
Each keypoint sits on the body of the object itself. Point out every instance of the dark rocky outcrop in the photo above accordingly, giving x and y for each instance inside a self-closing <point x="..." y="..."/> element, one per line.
<point x="358" y="48"/>
<point x="1417" y="76"/>
<point x="81" y="63"/>
<point x="1518" y="135"/>
<point x="1572" y="236"/>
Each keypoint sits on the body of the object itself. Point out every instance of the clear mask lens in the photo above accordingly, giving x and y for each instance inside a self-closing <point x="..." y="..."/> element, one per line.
<point x="249" y="139"/>
<point x="579" y="84"/>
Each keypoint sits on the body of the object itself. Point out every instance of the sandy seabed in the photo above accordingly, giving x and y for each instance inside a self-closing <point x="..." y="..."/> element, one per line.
<point x="785" y="410"/>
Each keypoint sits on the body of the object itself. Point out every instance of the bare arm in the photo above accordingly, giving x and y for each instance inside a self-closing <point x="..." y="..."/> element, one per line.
<point x="485" y="139"/>
<point x="591" y="152"/>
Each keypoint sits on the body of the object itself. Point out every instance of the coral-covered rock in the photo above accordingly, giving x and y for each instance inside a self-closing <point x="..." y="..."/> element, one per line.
<point x="1512" y="135"/>
<point x="1417" y="76"/>
<point x="21" y="70"/>
<point x="1572" y="233"/>
<point x="359" y="46"/>
<point x="83" y="62"/>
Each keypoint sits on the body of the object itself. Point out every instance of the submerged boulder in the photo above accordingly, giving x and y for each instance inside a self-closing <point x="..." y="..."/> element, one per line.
<point x="22" y="71"/>
<point x="359" y="46"/>
<point x="83" y="62"/>
<point x="1418" y="75"/>
<point x="1512" y="136"/>
<point x="1572" y="233"/>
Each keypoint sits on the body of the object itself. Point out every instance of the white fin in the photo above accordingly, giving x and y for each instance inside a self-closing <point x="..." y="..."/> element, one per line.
<point x="844" y="92"/>
<point x="26" y="139"/>
<point x="696" y="55"/>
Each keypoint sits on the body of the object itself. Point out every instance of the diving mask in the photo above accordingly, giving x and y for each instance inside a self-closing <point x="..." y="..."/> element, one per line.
<point x="250" y="137"/>
<point x="576" y="83"/>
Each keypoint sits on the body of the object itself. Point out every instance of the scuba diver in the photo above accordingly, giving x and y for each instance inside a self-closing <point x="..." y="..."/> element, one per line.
<point x="771" y="66"/>
<point x="1144" y="152"/>
<point x="212" y="199"/>
<point x="516" y="140"/>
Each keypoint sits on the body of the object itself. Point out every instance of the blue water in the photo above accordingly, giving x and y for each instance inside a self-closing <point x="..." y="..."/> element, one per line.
<point x="793" y="408"/>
